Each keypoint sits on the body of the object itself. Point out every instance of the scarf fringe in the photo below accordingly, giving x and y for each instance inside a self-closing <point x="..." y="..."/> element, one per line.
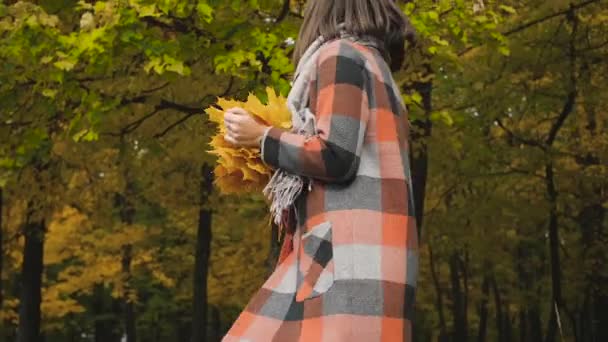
<point x="282" y="189"/>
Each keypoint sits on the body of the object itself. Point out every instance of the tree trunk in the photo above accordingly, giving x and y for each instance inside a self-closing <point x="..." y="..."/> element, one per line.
<point x="464" y="264"/>
<point x="420" y="159"/>
<point x="443" y="336"/>
<point x="129" y="309"/>
<point x="202" y="253"/>
<point x="1" y="246"/>
<point x="530" y="326"/>
<point x="127" y="215"/>
<point x="524" y="283"/>
<point x="523" y="326"/>
<point x="536" y="326"/>
<point x="216" y="324"/>
<point x="600" y="315"/>
<point x="556" y="285"/>
<point x="184" y="330"/>
<point x="593" y="324"/>
<point x="31" y="282"/>
<point x="499" y="311"/>
<point x="508" y="324"/>
<point x="593" y="315"/>
<point x="106" y="326"/>
<point x="556" y="282"/>
<point x="459" y="333"/>
<point x="483" y="309"/>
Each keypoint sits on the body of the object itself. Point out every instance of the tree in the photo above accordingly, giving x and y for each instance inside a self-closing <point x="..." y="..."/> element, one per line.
<point x="102" y="145"/>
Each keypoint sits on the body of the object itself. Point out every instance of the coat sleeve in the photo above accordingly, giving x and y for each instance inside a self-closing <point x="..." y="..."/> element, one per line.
<point x="340" y="103"/>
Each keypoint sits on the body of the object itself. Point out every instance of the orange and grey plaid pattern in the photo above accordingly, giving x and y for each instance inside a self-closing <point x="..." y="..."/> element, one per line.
<point x="352" y="273"/>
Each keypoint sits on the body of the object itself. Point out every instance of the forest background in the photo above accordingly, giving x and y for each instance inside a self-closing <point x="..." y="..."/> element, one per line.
<point x="111" y="228"/>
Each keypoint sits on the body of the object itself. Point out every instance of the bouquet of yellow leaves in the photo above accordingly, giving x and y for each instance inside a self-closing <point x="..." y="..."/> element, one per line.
<point x="241" y="169"/>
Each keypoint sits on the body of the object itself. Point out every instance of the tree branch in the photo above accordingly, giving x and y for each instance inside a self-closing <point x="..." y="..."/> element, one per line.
<point x="179" y="25"/>
<point x="568" y="107"/>
<point x="173" y="125"/>
<point x="520" y="139"/>
<point x="537" y="21"/>
<point x="551" y="16"/>
<point x="571" y="99"/>
<point x="195" y="111"/>
<point x="284" y="12"/>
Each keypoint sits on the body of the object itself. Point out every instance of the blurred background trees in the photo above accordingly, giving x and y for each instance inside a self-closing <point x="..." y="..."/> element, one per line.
<point x="112" y="230"/>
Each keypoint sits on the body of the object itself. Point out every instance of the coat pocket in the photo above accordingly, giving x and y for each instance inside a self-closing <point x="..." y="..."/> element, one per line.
<point x="316" y="262"/>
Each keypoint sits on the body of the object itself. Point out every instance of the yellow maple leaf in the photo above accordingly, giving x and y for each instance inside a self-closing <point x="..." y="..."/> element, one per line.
<point x="240" y="169"/>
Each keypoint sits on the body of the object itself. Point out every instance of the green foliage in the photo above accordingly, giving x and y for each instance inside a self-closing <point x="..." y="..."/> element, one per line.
<point x="104" y="100"/>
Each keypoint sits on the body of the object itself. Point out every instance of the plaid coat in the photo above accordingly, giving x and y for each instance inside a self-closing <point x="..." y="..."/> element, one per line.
<point x="352" y="273"/>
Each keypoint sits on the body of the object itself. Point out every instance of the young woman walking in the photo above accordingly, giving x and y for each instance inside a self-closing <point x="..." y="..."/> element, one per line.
<point x="342" y="186"/>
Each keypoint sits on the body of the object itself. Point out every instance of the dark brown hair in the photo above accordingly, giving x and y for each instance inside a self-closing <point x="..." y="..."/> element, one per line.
<point x="382" y="19"/>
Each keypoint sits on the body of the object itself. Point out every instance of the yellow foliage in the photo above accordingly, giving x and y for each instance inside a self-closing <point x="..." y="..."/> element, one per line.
<point x="238" y="265"/>
<point x="57" y="304"/>
<point x="64" y="234"/>
<point x="9" y="312"/>
<point x="163" y="278"/>
<point x="240" y="169"/>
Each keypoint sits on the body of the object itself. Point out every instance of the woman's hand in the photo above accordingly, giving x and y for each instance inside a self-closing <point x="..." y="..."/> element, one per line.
<point x="242" y="129"/>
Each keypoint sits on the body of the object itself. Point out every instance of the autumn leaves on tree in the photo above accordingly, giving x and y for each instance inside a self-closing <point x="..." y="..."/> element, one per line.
<point x="124" y="216"/>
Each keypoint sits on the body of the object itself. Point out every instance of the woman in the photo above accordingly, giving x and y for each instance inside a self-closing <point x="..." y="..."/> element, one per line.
<point x="351" y="273"/>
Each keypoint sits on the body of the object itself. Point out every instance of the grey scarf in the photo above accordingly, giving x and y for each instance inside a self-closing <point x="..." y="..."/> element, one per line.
<point x="284" y="187"/>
